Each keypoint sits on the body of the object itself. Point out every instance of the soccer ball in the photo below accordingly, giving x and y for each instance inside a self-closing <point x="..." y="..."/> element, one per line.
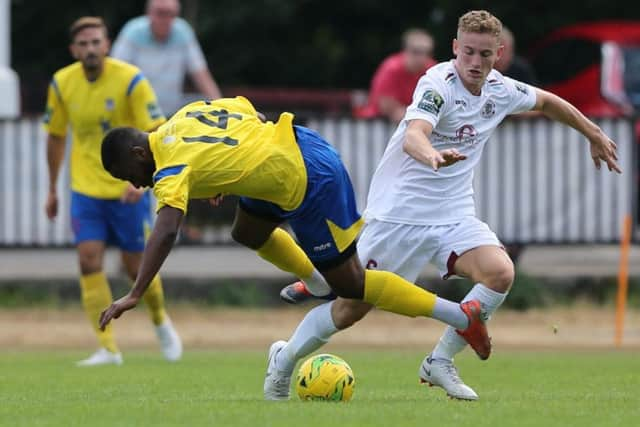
<point x="325" y="377"/>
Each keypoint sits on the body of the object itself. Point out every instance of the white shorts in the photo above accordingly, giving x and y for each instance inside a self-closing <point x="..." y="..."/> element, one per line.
<point x="406" y="249"/>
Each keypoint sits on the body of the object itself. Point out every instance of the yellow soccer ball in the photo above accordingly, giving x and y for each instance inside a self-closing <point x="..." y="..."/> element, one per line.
<point x="325" y="377"/>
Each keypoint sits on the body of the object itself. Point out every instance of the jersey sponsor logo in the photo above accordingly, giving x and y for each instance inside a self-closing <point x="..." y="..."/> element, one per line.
<point x="488" y="109"/>
<point x="154" y="110"/>
<point x="109" y="104"/>
<point x="322" y="247"/>
<point x="522" y="88"/>
<point x="466" y="134"/>
<point x="431" y="102"/>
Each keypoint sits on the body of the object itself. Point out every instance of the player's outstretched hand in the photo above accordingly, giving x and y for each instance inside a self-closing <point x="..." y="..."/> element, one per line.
<point x="603" y="149"/>
<point x="116" y="309"/>
<point x="451" y="156"/>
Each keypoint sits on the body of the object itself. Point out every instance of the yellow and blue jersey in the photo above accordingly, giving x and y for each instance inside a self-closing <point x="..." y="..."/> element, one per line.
<point x="222" y="147"/>
<point x="120" y="96"/>
<point x="282" y="172"/>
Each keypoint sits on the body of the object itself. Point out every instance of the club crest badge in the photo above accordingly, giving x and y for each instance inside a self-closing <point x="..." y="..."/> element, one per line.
<point x="488" y="109"/>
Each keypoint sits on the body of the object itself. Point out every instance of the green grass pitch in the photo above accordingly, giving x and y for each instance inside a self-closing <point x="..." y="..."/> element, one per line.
<point x="224" y="388"/>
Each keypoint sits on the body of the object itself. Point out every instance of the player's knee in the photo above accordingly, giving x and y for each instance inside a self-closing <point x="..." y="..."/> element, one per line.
<point x="241" y="236"/>
<point x="501" y="279"/>
<point x="89" y="263"/>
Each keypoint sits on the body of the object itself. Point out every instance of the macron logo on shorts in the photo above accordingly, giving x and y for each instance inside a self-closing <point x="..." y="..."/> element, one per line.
<point x="322" y="247"/>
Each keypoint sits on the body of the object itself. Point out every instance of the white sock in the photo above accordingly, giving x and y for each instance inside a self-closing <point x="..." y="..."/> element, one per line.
<point x="450" y="312"/>
<point x="312" y="333"/>
<point x="451" y="343"/>
<point x="316" y="284"/>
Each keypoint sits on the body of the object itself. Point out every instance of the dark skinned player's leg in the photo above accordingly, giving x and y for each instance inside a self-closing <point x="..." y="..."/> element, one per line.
<point x="259" y="231"/>
<point x="385" y="290"/>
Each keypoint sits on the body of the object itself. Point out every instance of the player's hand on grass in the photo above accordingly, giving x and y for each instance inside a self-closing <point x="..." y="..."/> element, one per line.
<point x="116" y="309"/>
<point x="603" y="149"/>
<point x="51" y="205"/>
<point x="132" y="194"/>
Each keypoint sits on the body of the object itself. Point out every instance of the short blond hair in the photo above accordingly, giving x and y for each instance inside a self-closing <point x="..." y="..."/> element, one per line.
<point x="480" y="21"/>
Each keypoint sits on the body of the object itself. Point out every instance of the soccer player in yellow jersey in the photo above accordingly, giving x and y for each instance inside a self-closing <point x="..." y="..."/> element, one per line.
<point x="91" y="96"/>
<point x="283" y="173"/>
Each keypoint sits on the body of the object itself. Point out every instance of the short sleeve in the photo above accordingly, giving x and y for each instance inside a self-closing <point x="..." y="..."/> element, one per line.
<point x="523" y="96"/>
<point x="171" y="187"/>
<point x="429" y="100"/>
<point x="144" y="104"/>
<point x="55" y="116"/>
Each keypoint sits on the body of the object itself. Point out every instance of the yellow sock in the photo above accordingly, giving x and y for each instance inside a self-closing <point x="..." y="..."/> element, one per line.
<point x="283" y="252"/>
<point x="390" y="292"/>
<point x="154" y="300"/>
<point x="96" y="296"/>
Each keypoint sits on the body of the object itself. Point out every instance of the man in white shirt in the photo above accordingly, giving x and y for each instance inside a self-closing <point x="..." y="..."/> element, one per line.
<point x="419" y="211"/>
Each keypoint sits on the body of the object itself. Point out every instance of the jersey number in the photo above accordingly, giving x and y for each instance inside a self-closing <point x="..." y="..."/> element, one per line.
<point x="215" y="118"/>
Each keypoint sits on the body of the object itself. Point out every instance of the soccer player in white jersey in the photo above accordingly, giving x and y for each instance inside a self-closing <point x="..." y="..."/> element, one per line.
<point x="420" y="211"/>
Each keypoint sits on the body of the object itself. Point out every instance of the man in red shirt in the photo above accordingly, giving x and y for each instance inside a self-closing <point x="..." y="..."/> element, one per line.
<point x="395" y="79"/>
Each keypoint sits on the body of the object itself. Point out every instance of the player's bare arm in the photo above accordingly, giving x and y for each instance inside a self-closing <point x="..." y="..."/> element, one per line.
<point x="418" y="146"/>
<point x="158" y="247"/>
<point x="55" y="156"/>
<point x="603" y="149"/>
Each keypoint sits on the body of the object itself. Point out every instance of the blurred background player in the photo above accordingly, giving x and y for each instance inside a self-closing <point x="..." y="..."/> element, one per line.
<point x="92" y="95"/>
<point x="511" y="64"/>
<point x="396" y="77"/>
<point x="419" y="211"/>
<point x="165" y="48"/>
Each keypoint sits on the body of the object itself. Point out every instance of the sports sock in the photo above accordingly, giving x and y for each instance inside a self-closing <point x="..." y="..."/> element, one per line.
<point x="451" y="343"/>
<point x="96" y="297"/>
<point x="312" y="333"/>
<point x="390" y="292"/>
<point x="316" y="285"/>
<point x="282" y="251"/>
<point x="154" y="300"/>
<point x="450" y="313"/>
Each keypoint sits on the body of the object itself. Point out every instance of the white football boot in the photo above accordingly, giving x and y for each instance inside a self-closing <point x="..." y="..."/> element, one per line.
<point x="277" y="383"/>
<point x="170" y="342"/>
<point x="102" y="357"/>
<point x="442" y="373"/>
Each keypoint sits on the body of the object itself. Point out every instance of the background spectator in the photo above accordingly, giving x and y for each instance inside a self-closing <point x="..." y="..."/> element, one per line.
<point x="395" y="79"/>
<point x="512" y="65"/>
<point x="165" y="48"/>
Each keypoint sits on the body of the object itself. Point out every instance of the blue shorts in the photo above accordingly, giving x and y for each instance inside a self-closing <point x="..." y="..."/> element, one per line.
<point x="327" y="221"/>
<point x="111" y="221"/>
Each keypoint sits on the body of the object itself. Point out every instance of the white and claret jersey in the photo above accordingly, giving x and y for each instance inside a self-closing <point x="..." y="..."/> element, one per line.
<point x="404" y="190"/>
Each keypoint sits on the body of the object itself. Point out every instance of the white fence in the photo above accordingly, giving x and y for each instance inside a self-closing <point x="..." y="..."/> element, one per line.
<point x="536" y="182"/>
